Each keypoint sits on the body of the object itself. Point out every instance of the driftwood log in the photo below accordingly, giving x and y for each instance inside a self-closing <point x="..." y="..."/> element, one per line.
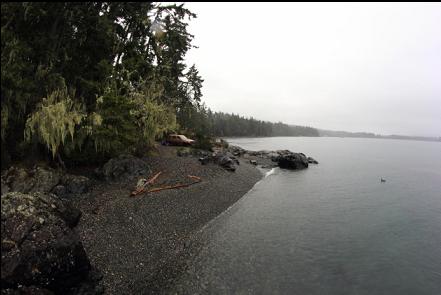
<point x="144" y="189"/>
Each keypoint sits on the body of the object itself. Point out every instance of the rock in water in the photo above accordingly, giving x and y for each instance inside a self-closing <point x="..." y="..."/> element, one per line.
<point x="292" y="161"/>
<point x="39" y="247"/>
<point x="312" y="160"/>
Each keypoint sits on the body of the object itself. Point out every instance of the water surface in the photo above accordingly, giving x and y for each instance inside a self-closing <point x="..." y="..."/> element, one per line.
<point x="333" y="228"/>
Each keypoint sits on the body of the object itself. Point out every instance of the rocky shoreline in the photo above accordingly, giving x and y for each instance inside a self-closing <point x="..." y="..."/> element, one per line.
<point x="75" y="234"/>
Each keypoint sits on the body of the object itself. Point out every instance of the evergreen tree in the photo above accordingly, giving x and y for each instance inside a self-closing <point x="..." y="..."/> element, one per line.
<point x="123" y="63"/>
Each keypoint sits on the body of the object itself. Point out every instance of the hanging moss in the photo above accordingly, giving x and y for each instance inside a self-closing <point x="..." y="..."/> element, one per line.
<point x="152" y="118"/>
<point x="56" y="117"/>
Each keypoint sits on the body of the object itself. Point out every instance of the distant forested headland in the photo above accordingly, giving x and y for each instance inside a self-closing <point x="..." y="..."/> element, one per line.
<point x="332" y="133"/>
<point x="230" y="125"/>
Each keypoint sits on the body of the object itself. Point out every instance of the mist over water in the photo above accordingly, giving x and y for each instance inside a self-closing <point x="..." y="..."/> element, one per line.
<point x="333" y="228"/>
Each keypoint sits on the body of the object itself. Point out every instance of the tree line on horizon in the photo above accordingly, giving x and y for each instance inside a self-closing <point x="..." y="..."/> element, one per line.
<point x="232" y="125"/>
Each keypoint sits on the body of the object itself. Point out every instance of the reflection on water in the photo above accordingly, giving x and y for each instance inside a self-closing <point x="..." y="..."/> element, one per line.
<point x="333" y="228"/>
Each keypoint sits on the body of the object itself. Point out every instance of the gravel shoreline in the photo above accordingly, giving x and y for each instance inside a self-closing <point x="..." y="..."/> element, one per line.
<point x="141" y="244"/>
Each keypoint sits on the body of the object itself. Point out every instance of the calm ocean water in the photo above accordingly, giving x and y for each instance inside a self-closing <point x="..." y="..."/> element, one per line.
<point x="333" y="228"/>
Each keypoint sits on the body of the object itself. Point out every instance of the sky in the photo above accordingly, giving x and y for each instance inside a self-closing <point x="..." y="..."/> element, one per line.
<point x="370" y="67"/>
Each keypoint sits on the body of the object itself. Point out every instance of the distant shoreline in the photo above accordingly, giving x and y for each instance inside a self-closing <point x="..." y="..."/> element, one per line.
<point x="397" y="137"/>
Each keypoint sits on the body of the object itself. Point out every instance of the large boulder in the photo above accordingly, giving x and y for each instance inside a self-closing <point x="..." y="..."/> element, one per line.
<point x="273" y="156"/>
<point x="292" y="161"/>
<point x="4" y="187"/>
<point x="227" y="163"/>
<point x="236" y="150"/>
<point x="223" y="159"/>
<point x="75" y="184"/>
<point x="124" y="166"/>
<point x="45" y="180"/>
<point x="38" y="245"/>
<point x="37" y="179"/>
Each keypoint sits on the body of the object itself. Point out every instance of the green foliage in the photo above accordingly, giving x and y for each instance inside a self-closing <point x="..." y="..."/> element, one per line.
<point x="203" y="142"/>
<point x="124" y="60"/>
<point x="117" y="131"/>
<point x="129" y="122"/>
<point x="56" y="117"/>
<point x="152" y="119"/>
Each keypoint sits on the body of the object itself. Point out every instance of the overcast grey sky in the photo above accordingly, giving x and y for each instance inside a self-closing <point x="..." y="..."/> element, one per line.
<point x="356" y="67"/>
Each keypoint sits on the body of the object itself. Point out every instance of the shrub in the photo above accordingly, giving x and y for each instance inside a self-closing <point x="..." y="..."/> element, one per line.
<point x="203" y="142"/>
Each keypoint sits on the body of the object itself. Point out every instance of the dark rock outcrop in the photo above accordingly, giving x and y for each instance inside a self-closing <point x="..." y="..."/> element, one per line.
<point x="219" y="156"/>
<point x="37" y="179"/>
<point x="226" y="162"/>
<point x="236" y="150"/>
<point x="312" y="160"/>
<point x="292" y="161"/>
<point x="228" y="158"/>
<point x="75" y="184"/>
<point x="44" y="180"/>
<point x="124" y="166"/>
<point x="283" y="158"/>
<point x="39" y="248"/>
<point x="204" y="160"/>
<point x="188" y="152"/>
<point x="27" y="290"/>
<point x="4" y="187"/>
<point x="60" y="190"/>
